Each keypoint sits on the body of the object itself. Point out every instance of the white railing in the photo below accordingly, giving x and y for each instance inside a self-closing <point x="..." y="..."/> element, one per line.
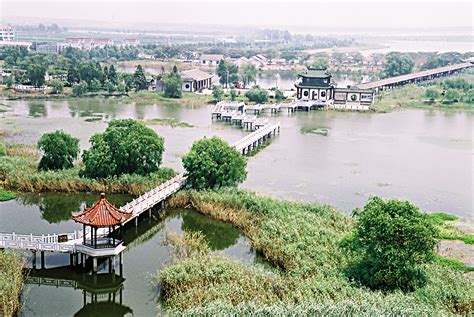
<point x="255" y="136"/>
<point x="37" y="243"/>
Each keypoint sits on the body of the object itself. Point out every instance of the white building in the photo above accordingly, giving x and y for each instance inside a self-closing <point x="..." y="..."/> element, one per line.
<point x="7" y="33"/>
<point x="85" y="43"/>
<point x="196" y="80"/>
<point x="210" y="59"/>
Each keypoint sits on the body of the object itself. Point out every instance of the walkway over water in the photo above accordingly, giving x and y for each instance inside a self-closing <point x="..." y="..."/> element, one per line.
<point x="417" y="77"/>
<point x="73" y="243"/>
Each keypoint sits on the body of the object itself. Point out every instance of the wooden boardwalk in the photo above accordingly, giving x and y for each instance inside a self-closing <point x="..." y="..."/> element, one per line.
<point x="73" y="242"/>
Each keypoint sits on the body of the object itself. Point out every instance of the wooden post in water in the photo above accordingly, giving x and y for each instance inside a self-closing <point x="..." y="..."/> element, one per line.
<point x="33" y="260"/>
<point x="42" y="259"/>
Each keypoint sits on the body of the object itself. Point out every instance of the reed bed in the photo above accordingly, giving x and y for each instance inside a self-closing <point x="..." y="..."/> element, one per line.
<point x="11" y="283"/>
<point x="302" y="240"/>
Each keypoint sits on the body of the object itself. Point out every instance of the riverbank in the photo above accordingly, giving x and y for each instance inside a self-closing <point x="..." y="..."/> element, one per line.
<point x="302" y="241"/>
<point x="19" y="172"/>
<point x="414" y="96"/>
<point x="11" y="283"/>
<point x="141" y="97"/>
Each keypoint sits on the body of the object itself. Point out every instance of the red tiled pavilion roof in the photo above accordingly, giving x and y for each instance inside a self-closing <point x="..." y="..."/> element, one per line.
<point x="102" y="214"/>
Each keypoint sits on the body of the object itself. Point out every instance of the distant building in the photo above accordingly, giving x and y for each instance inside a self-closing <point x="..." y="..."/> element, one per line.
<point x="314" y="86"/>
<point x="46" y="47"/>
<point x="7" y="33"/>
<point x="259" y="60"/>
<point x="210" y="59"/>
<point x="7" y="37"/>
<point x="131" y="42"/>
<point x="85" y="43"/>
<point x="196" y="80"/>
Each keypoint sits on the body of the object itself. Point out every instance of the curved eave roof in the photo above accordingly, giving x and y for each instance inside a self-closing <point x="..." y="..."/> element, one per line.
<point x="102" y="214"/>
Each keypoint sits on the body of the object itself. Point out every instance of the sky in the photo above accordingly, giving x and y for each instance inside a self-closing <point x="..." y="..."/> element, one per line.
<point x="279" y="13"/>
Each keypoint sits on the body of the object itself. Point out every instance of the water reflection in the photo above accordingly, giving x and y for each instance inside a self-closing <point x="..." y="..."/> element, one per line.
<point x="37" y="109"/>
<point x="58" y="207"/>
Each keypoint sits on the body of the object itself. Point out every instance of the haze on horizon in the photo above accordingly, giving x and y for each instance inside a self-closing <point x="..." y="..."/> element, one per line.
<point x="278" y="14"/>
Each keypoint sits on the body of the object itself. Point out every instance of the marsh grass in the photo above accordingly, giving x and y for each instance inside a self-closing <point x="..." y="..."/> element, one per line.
<point x="302" y="241"/>
<point x="11" y="283"/>
<point x="171" y="122"/>
<point x="21" y="174"/>
<point x="447" y="231"/>
<point x="6" y="195"/>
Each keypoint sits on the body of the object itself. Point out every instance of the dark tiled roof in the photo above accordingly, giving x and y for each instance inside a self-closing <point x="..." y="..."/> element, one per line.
<point x="315" y="73"/>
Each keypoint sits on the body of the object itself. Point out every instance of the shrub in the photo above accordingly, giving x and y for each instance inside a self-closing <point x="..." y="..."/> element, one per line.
<point x="217" y="93"/>
<point x="452" y="95"/>
<point x="126" y="147"/>
<point x="212" y="163"/>
<point x="390" y="242"/>
<point x="59" y="150"/>
<point x="80" y="88"/>
<point x="257" y="95"/>
<point x="57" y="87"/>
<point x="432" y="94"/>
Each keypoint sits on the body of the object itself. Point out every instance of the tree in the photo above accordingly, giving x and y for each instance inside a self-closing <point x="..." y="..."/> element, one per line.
<point x="397" y="64"/>
<point x="126" y="147"/>
<point x="9" y="81"/>
<point x="432" y="94"/>
<point x="257" y="95"/>
<point x="73" y="75"/>
<point x="248" y="73"/>
<point x="227" y="73"/>
<point x="139" y="78"/>
<point x="279" y="96"/>
<point x="452" y="95"/>
<point x="212" y="163"/>
<point x="57" y="87"/>
<point x="233" y="94"/>
<point x="36" y="73"/>
<point x="94" y="85"/>
<point x="112" y="75"/>
<point x="80" y="88"/>
<point x="110" y="86"/>
<point x="320" y="63"/>
<point x="59" y="150"/>
<point x="390" y="242"/>
<point x="173" y="84"/>
<point x="217" y="93"/>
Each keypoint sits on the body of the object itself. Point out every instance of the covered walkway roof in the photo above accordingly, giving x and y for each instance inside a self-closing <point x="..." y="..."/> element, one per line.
<point x="413" y="76"/>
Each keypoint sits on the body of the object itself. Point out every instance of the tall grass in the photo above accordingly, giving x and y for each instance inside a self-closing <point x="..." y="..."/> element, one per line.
<point x="11" y="283"/>
<point x="302" y="240"/>
<point x="446" y="230"/>
<point x="21" y="174"/>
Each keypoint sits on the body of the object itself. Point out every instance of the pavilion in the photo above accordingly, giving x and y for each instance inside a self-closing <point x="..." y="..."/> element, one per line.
<point x="102" y="214"/>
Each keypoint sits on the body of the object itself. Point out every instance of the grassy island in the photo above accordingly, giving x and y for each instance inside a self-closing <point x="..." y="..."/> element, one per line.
<point x="302" y="241"/>
<point x="11" y="283"/>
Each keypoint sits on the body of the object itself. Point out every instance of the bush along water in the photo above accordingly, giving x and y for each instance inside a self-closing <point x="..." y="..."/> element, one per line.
<point x="303" y="241"/>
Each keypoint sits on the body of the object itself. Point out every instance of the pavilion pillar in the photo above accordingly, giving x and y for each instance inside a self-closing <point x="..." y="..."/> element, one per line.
<point x="42" y="259"/>
<point x="83" y="234"/>
<point x="33" y="260"/>
<point x="110" y="264"/>
<point x="95" y="237"/>
<point x="121" y="264"/>
<point x="83" y="260"/>
<point x="94" y="264"/>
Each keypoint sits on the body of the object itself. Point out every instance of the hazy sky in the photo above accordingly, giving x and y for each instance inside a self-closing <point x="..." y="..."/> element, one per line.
<point x="360" y="14"/>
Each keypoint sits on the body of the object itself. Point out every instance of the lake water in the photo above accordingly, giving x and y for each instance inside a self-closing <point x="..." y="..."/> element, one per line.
<point x="144" y="257"/>
<point x="424" y="156"/>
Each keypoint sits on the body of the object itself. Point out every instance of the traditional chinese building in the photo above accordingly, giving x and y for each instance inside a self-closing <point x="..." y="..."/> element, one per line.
<point x="100" y="241"/>
<point x="316" y="87"/>
<point x="196" y="80"/>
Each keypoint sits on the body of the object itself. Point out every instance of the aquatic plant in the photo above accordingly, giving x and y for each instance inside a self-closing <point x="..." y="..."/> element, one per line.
<point x="302" y="241"/>
<point x="11" y="283"/>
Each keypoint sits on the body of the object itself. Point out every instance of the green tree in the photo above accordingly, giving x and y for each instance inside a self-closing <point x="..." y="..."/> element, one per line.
<point x="397" y="64"/>
<point x="139" y="78"/>
<point x="73" y="75"/>
<point x="320" y="63"/>
<point x="227" y="72"/>
<point x="212" y="163"/>
<point x="257" y="95"/>
<point x="248" y="73"/>
<point x="125" y="147"/>
<point x="80" y="88"/>
<point x="94" y="85"/>
<point x="279" y="96"/>
<point x="217" y="93"/>
<point x="390" y="242"/>
<point x="59" y="150"/>
<point x="110" y="86"/>
<point x="452" y="95"/>
<point x="9" y="81"/>
<point x="432" y="94"/>
<point x="173" y="84"/>
<point x="36" y="73"/>
<point x="112" y="75"/>
<point x="233" y="94"/>
<point x="57" y="87"/>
